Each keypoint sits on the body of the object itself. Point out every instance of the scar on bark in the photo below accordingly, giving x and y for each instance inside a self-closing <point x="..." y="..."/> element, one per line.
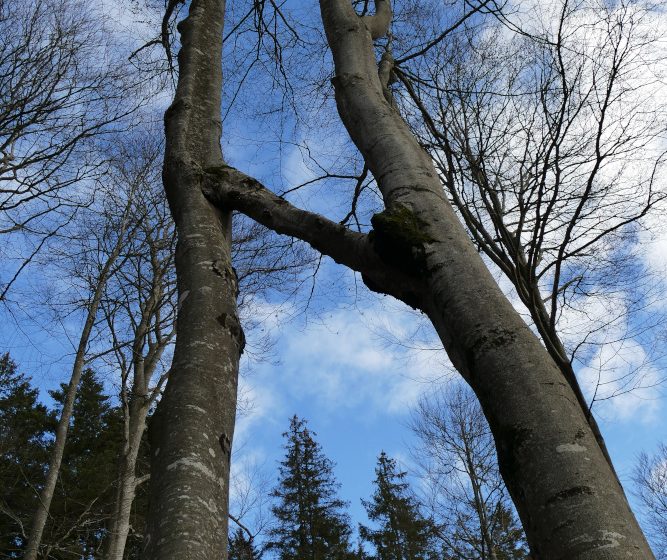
<point x="232" y="324"/>
<point x="225" y="445"/>
<point x="571" y="493"/>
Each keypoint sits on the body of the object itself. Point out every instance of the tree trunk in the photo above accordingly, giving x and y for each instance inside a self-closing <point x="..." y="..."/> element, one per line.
<point x="571" y="505"/>
<point x="127" y="479"/>
<point x="191" y="432"/>
<point x="46" y="495"/>
<point x="568" y="498"/>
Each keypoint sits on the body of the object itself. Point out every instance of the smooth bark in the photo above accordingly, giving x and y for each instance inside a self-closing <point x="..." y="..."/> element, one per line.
<point x="125" y="491"/>
<point x="127" y="483"/>
<point x="570" y="503"/>
<point x="192" y="429"/>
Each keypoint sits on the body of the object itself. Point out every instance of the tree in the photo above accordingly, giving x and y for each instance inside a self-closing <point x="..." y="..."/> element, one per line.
<point x="542" y="141"/>
<point x="139" y="310"/>
<point x="25" y="424"/>
<point x="554" y="467"/>
<point x="190" y="473"/>
<point x="82" y="507"/>
<point x="139" y="304"/>
<point x="310" y="521"/>
<point x="650" y="485"/>
<point x="463" y="488"/>
<point x="241" y="547"/>
<point x="402" y="532"/>
<point x="550" y="458"/>
<point x="57" y="101"/>
<point x="98" y="266"/>
<point x="83" y="500"/>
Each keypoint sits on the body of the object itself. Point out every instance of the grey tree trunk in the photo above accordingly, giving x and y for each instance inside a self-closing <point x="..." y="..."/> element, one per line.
<point x="192" y="429"/>
<point x="127" y="480"/>
<point x="567" y="495"/>
<point x="571" y="504"/>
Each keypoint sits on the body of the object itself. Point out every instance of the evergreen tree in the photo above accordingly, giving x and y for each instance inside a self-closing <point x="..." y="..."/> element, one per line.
<point x="83" y="500"/>
<point x="24" y="428"/>
<point x="241" y="547"/>
<point x="402" y="532"/>
<point x="310" y="520"/>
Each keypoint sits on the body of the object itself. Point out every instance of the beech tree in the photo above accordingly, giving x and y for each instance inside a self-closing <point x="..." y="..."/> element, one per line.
<point x="57" y="101"/>
<point x="101" y="261"/>
<point x="138" y="307"/>
<point x="549" y="150"/>
<point x="462" y="487"/>
<point x="83" y="505"/>
<point x="567" y="496"/>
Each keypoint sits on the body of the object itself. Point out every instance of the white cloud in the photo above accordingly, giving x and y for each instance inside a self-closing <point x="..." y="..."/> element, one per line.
<point x="348" y="360"/>
<point x="625" y="386"/>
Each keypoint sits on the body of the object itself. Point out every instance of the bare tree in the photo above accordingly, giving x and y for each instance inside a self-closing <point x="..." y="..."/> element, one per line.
<point x="549" y="149"/>
<point x="101" y="257"/>
<point x="650" y="485"/>
<point x="463" y="488"/>
<point x="139" y="312"/>
<point x="570" y="504"/>
<point x="59" y="93"/>
<point x="192" y="429"/>
<point x="250" y="501"/>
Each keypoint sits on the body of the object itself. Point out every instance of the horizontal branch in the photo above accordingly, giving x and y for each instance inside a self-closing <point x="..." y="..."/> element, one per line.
<point x="229" y="188"/>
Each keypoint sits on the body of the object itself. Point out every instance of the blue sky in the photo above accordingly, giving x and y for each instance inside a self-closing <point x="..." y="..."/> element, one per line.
<point x="353" y="363"/>
<point x="344" y="369"/>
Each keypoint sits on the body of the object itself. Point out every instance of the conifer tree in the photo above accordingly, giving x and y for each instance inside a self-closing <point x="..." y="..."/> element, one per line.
<point x="311" y="523"/>
<point x="83" y="501"/>
<point x="241" y="547"/>
<point x="402" y="532"/>
<point x="508" y="535"/>
<point x="24" y="427"/>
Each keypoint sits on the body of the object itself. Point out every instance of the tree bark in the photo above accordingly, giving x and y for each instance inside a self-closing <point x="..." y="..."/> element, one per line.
<point x="569" y="501"/>
<point x="192" y="429"/>
<point x="127" y="480"/>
